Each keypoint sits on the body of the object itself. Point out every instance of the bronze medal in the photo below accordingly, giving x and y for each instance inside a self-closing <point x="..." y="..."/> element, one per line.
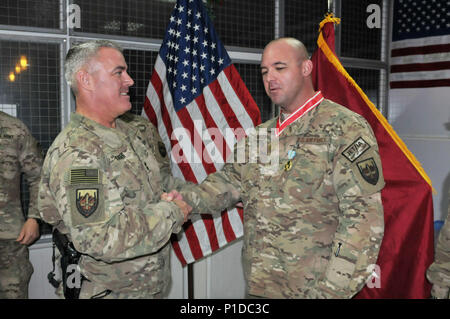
<point x="288" y="166"/>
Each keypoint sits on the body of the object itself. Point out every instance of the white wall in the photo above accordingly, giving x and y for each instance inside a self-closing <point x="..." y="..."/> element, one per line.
<point x="421" y="117"/>
<point x="41" y="258"/>
<point x="220" y="276"/>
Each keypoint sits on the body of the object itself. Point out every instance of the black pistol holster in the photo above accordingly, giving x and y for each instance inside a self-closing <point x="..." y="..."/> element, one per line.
<point x="69" y="256"/>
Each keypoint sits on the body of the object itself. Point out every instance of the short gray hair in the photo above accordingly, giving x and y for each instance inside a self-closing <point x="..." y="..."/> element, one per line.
<point x="80" y="54"/>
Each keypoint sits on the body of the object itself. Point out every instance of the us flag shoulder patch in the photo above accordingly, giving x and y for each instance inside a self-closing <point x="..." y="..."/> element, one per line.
<point x="84" y="176"/>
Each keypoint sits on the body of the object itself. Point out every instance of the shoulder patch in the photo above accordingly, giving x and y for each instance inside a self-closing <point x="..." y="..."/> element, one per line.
<point x="369" y="170"/>
<point x="84" y="176"/>
<point x="86" y="201"/>
<point x="86" y="196"/>
<point x="356" y="149"/>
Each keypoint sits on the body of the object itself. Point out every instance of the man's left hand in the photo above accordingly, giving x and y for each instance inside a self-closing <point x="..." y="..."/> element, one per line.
<point x="29" y="232"/>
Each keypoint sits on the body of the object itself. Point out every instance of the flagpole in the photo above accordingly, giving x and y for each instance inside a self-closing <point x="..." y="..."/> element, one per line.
<point x="190" y="271"/>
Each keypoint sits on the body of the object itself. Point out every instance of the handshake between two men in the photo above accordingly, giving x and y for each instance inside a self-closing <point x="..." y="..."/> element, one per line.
<point x="176" y="197"/>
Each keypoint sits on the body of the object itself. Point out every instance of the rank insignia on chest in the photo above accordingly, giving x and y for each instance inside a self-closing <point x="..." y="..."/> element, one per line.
<point x="87" y="201"/>
<point x="369" y="171"/>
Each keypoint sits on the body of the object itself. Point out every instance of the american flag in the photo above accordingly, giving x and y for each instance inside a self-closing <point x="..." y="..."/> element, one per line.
<point x="420" y="55"/>
<point x="194" y="97"/>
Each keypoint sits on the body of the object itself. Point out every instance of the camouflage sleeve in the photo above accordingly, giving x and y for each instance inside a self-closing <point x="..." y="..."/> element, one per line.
<point x="219" y="190"/>
<point x="358" y="180"/>
<point x="30" y="158"/>
<point x="439" y="271"/>
<point x="93" y="209"/>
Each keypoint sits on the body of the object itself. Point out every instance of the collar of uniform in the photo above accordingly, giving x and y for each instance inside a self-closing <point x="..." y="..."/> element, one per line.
<point x="107" y="134"/>
<point x="300" y="112"/>
<point x="302" y="125"/>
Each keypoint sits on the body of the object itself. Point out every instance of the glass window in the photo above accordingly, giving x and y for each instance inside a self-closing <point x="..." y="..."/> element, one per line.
<point x="244" y="23"/>
<point x="369" y="81"/>
<point x="30" y="13"/>
<point x="358" y="40"/>
<point x="140" y="67"/>
<point x="302" y="21"/>
<point x="132" y="18"/>
<point x="30" y="90"/>
<point x="30" y="81"/>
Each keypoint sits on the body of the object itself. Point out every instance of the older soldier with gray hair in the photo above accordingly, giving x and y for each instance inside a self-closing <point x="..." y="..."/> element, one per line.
<point x="102" y="180"/>
<point x="313" y="222"/>
<point x="19" y="154"/>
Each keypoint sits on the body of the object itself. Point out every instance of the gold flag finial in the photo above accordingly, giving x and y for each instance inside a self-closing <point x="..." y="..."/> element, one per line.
<point x="329" y="17"/>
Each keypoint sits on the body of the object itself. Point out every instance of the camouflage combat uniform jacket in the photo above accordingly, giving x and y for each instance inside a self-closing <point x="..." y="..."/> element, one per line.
<point x="19" y="153"/>
<point x="313" y="222"/>
<point x="439" y="272"/>
<point x="102" y="186"/>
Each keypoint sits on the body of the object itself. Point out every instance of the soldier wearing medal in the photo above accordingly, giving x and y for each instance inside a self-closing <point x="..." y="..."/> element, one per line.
<point x="313" y="223"/>
<point x="102" y="179"/>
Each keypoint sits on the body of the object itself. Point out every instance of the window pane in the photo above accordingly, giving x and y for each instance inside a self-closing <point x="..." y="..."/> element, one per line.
<point x="34" y="95"/>
<point x="302" y="21"/>
<point x="369" y="81"/>
<point x="140" y="67"/>
<point x="358" y="40"/>
<point x="251" y="75"/>
<point x="244" y="23"/>
<point x="134" y="18"/>
<point x="35" y="91"/>
<point x="30" y="13"/>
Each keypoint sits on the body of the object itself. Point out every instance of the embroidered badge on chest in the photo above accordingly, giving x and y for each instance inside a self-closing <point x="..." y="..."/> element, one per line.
<point x="369" y="171"/>
<point x="87" y="201"/>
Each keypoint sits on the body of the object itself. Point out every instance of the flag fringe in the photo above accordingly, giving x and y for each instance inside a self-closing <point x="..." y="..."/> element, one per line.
<point x="322" y="44"/>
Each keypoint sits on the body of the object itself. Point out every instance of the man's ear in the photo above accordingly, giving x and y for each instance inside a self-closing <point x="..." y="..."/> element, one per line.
<point x="307" y="67"/>
<point x="84" y="80"/>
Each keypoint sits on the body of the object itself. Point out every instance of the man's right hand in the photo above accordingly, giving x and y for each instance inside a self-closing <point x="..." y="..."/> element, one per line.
<point x="176" y="197"/>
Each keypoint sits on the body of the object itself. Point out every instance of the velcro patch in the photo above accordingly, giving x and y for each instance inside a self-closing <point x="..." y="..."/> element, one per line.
<point x="312" y="140"/>
<point x="86" y="196"/>
<point x="86" y="200"/>
<point x="84" y="176"/>
<point x="369" y="171"/>
<point x="356" y="149"/>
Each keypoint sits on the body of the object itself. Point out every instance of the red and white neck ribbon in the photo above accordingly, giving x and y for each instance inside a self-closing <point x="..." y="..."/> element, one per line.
<point x="302" y="110"/>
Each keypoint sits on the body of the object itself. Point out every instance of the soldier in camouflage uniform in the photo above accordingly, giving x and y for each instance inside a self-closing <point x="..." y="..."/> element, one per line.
<point x="313" y="222"/>
<point x="439" y="272"/>
<point x="19" y="153"/>
<point x="102" y="179"/>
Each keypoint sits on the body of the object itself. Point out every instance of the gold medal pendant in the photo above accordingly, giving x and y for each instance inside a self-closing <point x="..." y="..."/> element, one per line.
<point x="288" y="166"/>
